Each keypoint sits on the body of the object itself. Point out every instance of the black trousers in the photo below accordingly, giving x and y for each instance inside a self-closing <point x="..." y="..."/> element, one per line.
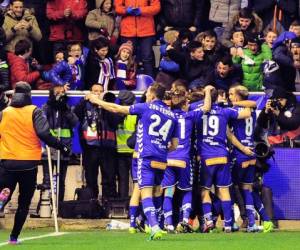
<point x="105" y="158"/>
<point x="122" y="171"/>
<point x="27" y="183"/>
<point x="62" y="176"/>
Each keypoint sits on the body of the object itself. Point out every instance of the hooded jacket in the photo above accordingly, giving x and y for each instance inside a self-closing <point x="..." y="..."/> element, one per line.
<point x="97" y="19"/>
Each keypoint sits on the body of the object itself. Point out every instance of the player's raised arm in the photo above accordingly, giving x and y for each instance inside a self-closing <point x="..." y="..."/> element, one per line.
<point x="245" y="103"/>
<point x="207" y="100"/>
<point x="245" y="113"/>
<point x="111" y="107"/>
<point x="235" y="142"/>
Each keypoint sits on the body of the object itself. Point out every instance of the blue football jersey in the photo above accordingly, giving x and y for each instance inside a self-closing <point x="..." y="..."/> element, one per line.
<point x="155" y="129"/>
<point x="184" y="130"/>
<point x="243" y="130"/>
<point x="213" y="140"/>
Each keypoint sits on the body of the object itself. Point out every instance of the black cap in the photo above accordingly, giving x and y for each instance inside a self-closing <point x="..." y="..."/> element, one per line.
<point x="279" y="93"/>
<point x="22" y="87"/>
<point x="126" y="97"/>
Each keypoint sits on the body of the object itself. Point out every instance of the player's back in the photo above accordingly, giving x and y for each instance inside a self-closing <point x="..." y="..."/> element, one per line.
<point x="183" y="132"/>
<point x="213" y="140"/>
<point x="155" y="130"/>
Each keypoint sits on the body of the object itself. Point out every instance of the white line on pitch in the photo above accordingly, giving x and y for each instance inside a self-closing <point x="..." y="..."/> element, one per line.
<point x="36" y="237"/>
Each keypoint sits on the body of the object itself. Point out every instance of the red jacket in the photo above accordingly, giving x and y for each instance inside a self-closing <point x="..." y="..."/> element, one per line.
<point x="137" y="26"/>
<point x="62" y="28"/>
<point x="19" y="70"/>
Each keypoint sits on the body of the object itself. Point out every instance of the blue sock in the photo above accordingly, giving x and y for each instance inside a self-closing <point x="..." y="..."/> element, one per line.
<point x="158" y="202"/>
<point x="168" y="210"/>
<point x="133" y="211"/>
<point x="227" y="211"/>
<point x="248" y="199"/>
<point x="207" y="214"/>
<point x="149" y="211"/>
<point x="187" y="205"/>
<point x="259" y="206"/>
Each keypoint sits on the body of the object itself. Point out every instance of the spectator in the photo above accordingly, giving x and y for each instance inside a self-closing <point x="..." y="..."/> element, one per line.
<point x="41" y="51"/>
<point x="265" y="10"/>
<point x="137" y="25"/>
<point x="61" y="121"/>
<point x="221" y="12"/>
<point x="169" y="70"/>
<point x="66" y="19"/>
<point x="124" y="154"/>
<point x="295" y="50"/>
<point x="295" y="27"/>
<point x="20" y="24"/>
<point x="180" y="14"/>
<point x="270" y="38"/>
<point x="102" y="22"/>
<point x="98" y="141"/>
<point x="4" y="71"/>
<point x="76" y="61"/>
<point x="24" y="68"/>
<point x="283" y="57"/>
<point x="238" y="42"/>
<point x="251" y="60"/>
<point x="125" y="67"/>
<point x="61" y="73"/>
<point x="213" y="50"/>
<point x="247" y="21"/>
<point x="225" y="74"/>
<point x="99" y="67"/>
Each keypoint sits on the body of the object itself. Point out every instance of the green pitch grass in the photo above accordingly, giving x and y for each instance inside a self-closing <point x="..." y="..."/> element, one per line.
<point x="110" y="240"/>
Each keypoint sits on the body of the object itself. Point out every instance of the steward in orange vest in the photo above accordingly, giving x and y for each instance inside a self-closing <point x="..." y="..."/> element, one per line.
<point x="22" y="126"/>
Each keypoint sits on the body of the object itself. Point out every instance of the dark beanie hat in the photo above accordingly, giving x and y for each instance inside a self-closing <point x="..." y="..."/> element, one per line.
<point x="280" y="93"/>
<point x="22" y="87"/>
<point x="126" y="97"/>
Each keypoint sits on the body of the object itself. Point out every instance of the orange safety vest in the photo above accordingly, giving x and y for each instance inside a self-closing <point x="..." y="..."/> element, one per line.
<point x="18" y="139"/>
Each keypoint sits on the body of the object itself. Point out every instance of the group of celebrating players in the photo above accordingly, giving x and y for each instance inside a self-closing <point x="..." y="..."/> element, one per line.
<point x="178" y="140"/>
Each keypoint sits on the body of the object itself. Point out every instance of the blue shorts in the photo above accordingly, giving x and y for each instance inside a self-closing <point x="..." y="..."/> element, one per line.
<point x="243" y="173"/>
<point x="219" y="175"/>
<point x="134" y="169"/>
<point x="182" y="177"/>
<point x="150" y="172"/>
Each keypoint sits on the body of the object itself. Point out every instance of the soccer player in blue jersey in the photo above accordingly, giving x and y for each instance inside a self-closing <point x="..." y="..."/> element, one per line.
<point x="214" y="154"/>
<point x="179" y="170"/>
<point x="156" y="129"/>
<point x="244" y="167"/>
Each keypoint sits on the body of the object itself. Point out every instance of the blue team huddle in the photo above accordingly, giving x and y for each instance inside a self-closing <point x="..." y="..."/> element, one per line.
<point x="205" y="145"/>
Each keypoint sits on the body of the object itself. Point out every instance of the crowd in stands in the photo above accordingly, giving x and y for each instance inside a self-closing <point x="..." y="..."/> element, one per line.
<point x="78" y="43"/>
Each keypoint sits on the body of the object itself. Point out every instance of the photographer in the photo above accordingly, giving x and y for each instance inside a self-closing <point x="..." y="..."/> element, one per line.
<point x="61" y="120"/>
<point x="280" y="115"/>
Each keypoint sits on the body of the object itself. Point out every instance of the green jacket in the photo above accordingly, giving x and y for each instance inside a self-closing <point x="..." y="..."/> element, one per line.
<point x="251" y="66"/>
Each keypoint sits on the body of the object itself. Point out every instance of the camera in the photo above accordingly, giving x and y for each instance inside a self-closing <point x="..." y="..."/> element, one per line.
<point x="275" y="103"/>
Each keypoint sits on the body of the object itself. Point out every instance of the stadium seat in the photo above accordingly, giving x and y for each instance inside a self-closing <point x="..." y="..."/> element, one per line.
<point x="143" y="82"/>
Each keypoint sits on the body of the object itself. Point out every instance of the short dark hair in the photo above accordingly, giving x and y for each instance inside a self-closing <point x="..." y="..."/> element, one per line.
<point x="209" y="33"/>
<point x="158" y="90"/>
<point x="295" y="23"/>
<point x="246" y="13"/>
<point x="12" y="1"/>
<point x="22" y="47"/>
<point x="214" y="95"/>
<point x="226" y="60"/>
<point x="100" y="43"/>
<point x="193" y="45"/>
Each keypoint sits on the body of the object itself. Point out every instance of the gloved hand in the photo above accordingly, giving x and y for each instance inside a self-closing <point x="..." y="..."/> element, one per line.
<point x="64" y="149"/>
<point x="129" y="11"/>
<point x="137" y="12"/>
